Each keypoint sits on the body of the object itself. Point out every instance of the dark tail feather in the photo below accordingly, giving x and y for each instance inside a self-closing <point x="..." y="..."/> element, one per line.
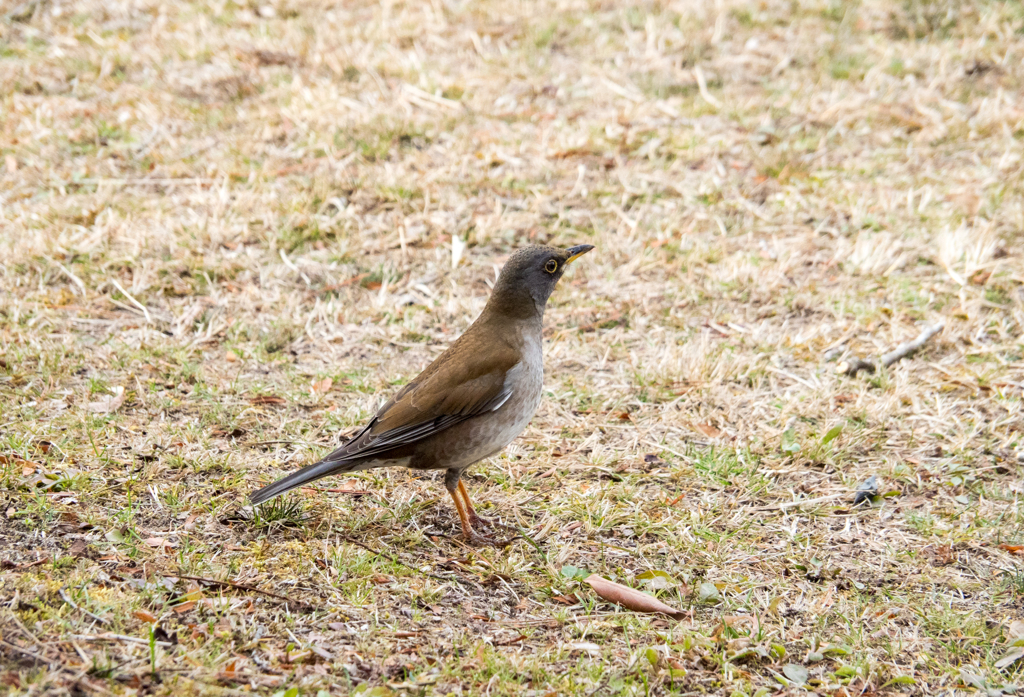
<point x="321" y="469"/>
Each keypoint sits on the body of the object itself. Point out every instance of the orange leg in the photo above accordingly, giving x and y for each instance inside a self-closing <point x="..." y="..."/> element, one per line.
<point x="474" y="519"/>
<point x="467" y="529"/>
<point x="467" y="516"/>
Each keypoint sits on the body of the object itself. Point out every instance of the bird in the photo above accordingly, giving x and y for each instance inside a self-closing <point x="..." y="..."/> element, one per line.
<point x="468" y="404"/>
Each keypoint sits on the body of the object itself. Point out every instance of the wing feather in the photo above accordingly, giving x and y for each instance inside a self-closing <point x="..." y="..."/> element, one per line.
<point x="448" y="392"/>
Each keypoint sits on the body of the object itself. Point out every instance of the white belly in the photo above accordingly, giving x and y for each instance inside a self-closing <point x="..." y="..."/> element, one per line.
<point x="492" y="432"/>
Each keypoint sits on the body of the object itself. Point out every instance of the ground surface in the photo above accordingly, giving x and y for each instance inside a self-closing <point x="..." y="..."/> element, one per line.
<point x="227" y="232"/>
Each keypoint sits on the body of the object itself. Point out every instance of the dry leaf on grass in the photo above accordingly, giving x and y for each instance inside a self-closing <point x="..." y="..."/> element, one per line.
<point x="267" y="399"/>
<point x="159" y="543"/>
<point x="630" y="598"/>
<point x="145" y="616"/>
<point x="1016" y="630"/>
<point x="1011" y="657"/>
<point x="108" y="404"/>
<point x="796" y="673"/>
<point x="321" y="386"/>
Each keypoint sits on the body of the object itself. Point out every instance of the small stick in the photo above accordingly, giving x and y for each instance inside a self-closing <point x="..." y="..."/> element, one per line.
<point x="702" y="87"/>
<point x="911" y="347"/>
<point x="73" y="277"/>
<point x="109" y="636"/>
<point x="132" y="298"/>
<point x="64" y="596"/>
<point x="853" y="365"/>
<point x="244" y="587"/>
<point x="26" y="652"/>
<point x="29" y="564"/>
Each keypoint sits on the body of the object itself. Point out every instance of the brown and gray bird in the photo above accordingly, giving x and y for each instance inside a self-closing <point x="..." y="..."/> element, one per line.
<point x="470" y="402"/>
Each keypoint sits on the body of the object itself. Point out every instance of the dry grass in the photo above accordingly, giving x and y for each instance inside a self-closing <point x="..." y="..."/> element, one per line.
<point x="207" y="210"/>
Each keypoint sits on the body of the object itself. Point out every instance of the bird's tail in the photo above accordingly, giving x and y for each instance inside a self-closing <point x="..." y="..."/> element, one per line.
<point x="324" y="468"/>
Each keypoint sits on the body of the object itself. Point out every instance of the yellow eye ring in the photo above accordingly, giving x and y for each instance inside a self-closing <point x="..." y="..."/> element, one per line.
<point x="551" y="266"/>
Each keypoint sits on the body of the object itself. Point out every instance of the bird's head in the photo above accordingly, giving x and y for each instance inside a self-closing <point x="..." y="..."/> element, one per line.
<point x="529" y="277"/>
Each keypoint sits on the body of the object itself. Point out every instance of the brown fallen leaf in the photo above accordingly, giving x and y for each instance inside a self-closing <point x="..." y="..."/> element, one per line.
<point x="159" y="543"/>
<point x="734" y="620"/>
<point x="709" y="430"/>
<point x="222" y="433"/>
<point x="79" y="548"/>
<point x="107" y="404"/>
<point x="229" y="673"/>
<point x="630" y="598"/>
<point x="322" y="386"/>
<point x="267" y="399"/>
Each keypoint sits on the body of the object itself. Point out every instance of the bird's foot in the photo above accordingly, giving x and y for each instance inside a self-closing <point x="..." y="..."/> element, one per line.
<point x="476" y="539"/>
<point x="479" y="523"/>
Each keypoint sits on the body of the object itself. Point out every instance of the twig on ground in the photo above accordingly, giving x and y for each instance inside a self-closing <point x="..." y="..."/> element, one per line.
<point x="911" y="347"/>
<point x="702" y="87"/>
<point x="64" y="596"/>
<point x="24" y="630"/>
<point x="853" y="365"/>
<point x="131" y="297"/>
<point x="67" y="272"/>
<point x="394" y="560"/>
<point x="26" y="652"/>
<point x="26" y="565"/>
<point x="110" y="636"/>
<point x="245" y="587"/>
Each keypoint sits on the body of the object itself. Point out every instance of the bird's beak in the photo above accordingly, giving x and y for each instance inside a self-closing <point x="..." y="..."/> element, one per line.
<point x="578" y="251"/>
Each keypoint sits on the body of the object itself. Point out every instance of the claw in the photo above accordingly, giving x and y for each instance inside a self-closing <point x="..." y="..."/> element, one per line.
<point x="475" y="539"/>
<point x="481" y="523"/>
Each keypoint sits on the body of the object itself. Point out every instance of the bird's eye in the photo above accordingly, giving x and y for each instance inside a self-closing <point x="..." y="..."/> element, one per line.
<point x="551" y="266"/>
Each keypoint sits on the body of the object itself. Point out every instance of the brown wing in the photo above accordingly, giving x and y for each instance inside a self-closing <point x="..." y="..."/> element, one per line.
<point x="459" y="385"/>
